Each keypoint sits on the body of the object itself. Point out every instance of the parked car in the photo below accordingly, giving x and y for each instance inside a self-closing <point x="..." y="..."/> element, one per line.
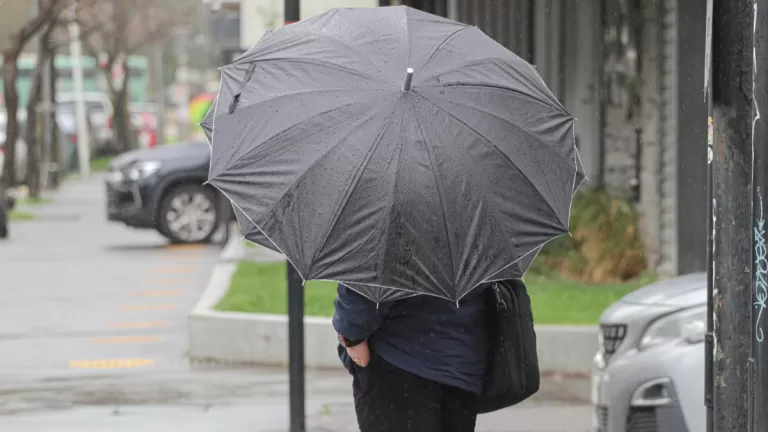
<point x="99" y="110"/>
<point x="21" y="149"/>
<point x="162" y="189"/>
<point x="648" y="374"/>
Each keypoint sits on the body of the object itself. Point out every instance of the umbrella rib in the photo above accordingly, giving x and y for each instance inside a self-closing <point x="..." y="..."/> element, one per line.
<point x="520" y="128"/>
<point x="347" y="46"/>
<point x="440" y="193"/>
<point x="494" y="146"/>
<point x="353" y="183"/>
<point x="316" y="62"/>
<point x="493" y="60"/>
<point x="302" y="176"/>
<point x="242" y="160"/>
<point x="440" y="46"/>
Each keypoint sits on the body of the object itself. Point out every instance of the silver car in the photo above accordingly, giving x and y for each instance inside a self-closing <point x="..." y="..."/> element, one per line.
<point x="648" y="375"/>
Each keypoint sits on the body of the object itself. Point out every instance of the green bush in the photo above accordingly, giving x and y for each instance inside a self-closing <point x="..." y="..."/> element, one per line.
<point x="605" y="244"/>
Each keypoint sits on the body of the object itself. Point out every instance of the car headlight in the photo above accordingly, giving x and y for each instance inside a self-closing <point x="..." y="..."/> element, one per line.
<point x="142" y="170"/>
<point x="689" y="324"/>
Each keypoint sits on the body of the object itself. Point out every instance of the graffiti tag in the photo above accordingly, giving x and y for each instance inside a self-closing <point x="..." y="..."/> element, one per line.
<point x="761" y="272"/>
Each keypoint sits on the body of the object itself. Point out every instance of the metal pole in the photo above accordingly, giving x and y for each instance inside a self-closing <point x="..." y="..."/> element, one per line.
<point x="709" y="340"/>
<point x="295" y="306"/>
<point x="46" y="109"/>
<point x="732" y="245"/>
<point x="759" y="348"/>
<point x="159" y="92"/>
<point x="83" y="140"/>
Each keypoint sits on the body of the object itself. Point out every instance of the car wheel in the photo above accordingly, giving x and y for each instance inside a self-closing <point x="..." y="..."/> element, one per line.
<point x="189" y="214"/>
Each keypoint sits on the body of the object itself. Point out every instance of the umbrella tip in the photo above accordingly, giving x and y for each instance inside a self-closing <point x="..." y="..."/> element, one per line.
<point x="408" y="79"/>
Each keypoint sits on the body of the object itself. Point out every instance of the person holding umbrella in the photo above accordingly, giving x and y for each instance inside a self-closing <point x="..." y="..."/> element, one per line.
<point x="411" y="159"/>
<point x="427" y="365"/>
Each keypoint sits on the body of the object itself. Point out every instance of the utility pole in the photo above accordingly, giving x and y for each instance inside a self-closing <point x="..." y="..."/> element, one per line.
<point x="292" y="14"/>
<point x="46" y="108"/>
<point x="732" y="175"/>
<point x="159" y="81"/>
<point x="758" y="362"/>
<point x="709" y="338"/>
<point x="83" y="140"/>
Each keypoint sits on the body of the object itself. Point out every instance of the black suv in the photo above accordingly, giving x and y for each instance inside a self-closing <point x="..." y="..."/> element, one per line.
<point x="162" y="189"/>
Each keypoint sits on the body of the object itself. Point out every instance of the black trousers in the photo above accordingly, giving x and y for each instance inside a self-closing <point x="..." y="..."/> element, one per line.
<point x="388" y="399"/>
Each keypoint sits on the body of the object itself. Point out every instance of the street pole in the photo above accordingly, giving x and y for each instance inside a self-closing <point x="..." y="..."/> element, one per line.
<point x="292" y="14"/>
<point x="46" y="109"/>
<point x="83" y="140"/>
<point x="732" y="175"/>
<point x="709" y="339"/>
<point x="159" y="91"/>
<point x="758" y="405"/>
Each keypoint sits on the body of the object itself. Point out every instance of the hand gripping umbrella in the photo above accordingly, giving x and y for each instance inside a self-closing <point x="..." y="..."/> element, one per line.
<point x="393" y="151"/>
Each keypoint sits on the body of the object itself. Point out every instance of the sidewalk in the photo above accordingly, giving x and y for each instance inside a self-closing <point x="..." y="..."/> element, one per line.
<point x="252" y="399"/>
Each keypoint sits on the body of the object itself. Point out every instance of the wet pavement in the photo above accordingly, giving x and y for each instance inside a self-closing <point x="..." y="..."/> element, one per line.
<point x="79" y="295"/>
<point x="93" y="338"/>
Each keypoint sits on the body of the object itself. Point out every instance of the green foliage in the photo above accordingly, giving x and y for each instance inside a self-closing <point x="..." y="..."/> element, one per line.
<point x="605" y="245"/>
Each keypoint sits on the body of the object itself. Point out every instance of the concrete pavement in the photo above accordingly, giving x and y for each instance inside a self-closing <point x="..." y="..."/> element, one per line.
<point x="253" y="399"/>
<point x="78" y="294"/>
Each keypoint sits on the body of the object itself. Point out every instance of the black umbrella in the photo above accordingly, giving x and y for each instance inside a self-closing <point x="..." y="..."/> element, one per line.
<point x="394" y="151"/>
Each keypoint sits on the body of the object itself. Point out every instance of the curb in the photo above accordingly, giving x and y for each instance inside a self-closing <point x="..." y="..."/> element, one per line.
<point x="243" y="338"/>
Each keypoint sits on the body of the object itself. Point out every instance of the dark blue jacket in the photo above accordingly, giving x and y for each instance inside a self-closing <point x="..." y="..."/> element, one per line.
<point x="424" y="335"/>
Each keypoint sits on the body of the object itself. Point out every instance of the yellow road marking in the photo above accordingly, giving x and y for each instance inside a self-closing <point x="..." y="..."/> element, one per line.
<point x="161" y="293"/>
<point x="166" y="270"/>
<point x="182" y="257"/>
<point x="123" y="340"/>
<point x="138" y="325"/>
<point x="165" y="281"/>
<point x="185" y="247"/>
<point x="148" y="307"/>
<point x="110" y="363"/>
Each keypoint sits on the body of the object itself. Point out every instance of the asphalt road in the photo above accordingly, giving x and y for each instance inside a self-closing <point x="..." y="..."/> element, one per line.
<point x="79" y="295"/>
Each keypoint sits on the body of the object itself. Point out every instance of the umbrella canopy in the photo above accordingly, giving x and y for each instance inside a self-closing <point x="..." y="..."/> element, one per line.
<point x="207" y="122"/>
<point x="394" y="151"/>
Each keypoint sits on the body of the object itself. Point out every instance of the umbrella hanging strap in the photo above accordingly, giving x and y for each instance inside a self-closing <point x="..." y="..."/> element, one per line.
<point x="236" y="99"/>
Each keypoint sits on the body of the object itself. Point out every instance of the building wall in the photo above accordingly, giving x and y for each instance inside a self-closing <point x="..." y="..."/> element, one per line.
<point x="581" y="70"/>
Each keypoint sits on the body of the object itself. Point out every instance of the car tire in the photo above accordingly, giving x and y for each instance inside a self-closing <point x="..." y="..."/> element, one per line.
<point x="189" y="214"/>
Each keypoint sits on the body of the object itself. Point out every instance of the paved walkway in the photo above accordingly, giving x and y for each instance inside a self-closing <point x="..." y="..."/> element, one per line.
<point x="247" y="400"/>
<point x="80" y="295"/>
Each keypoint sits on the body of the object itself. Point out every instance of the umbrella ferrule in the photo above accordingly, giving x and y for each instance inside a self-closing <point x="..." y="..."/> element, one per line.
<point x="408" y="80"/>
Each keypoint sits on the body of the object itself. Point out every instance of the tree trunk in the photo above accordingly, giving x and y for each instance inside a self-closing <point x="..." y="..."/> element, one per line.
<point x="31" y="134"/>
<point x="10" y="73"/>
<point x="122" y="118"/>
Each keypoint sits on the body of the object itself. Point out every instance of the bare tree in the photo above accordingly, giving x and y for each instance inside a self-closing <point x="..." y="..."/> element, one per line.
<point x="127" y="27"/>
<point x="49" y="10"/>
<point x="31" y="134"/>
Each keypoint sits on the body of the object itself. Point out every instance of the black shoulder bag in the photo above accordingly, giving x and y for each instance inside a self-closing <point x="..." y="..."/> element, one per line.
<point x="513" y="365"/>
